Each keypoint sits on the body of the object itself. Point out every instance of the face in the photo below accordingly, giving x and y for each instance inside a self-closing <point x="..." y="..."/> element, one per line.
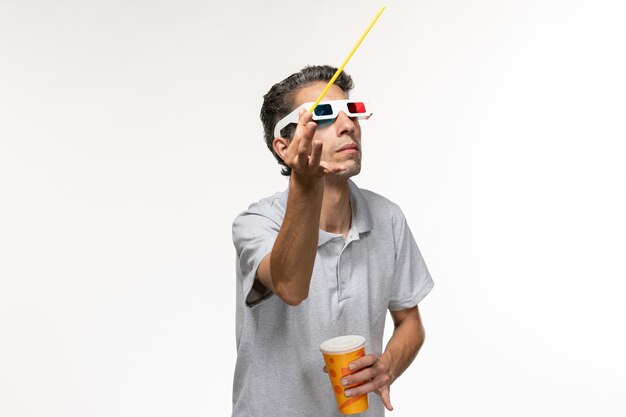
<point x="341" y="139"/>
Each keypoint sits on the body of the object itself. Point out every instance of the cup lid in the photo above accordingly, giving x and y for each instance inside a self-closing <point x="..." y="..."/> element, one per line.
<point x="343" y="344"/>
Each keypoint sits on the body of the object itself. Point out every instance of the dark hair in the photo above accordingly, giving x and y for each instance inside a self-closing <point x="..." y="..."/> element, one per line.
<point x="279" y="101"/>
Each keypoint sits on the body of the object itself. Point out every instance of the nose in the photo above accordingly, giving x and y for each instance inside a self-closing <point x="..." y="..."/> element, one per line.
<point x="345" y="124"/>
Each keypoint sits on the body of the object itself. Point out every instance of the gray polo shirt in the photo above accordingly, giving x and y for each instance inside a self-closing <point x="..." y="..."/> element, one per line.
<point x="378" y="267"/>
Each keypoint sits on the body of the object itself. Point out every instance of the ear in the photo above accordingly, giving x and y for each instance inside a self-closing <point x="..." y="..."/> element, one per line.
<point x="280" y="146"/>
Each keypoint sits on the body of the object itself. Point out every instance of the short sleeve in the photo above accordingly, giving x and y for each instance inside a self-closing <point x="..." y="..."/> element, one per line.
<point x="254" y="234"/>
<point x="412" y="281"/>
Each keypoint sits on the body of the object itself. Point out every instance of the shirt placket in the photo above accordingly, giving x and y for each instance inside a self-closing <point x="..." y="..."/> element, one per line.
<point x="344" y="266"/>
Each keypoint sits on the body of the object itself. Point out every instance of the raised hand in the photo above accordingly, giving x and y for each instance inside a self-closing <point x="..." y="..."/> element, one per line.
<point x="304" y="154"/>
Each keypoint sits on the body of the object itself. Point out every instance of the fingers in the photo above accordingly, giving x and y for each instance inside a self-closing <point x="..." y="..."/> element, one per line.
<point x="364" y="362"/>
<point x="305" y="146"/>
<point x="316" y="155"/>
<point x="370" y="387"/>
<point x="371" y="372"/>
<point x="325" y="369"/>
<point x="373" y="384"/>
<point x="332" y="169"/>
<point x="384" y="395"/>
<point x="363" y="375"/>
<point x="302" y="154"/>
<point x="304" y="132"/>
<point x="363" y="389"/>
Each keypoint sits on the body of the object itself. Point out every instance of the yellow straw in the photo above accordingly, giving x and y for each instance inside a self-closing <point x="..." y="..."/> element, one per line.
<point x="332" y="80"/>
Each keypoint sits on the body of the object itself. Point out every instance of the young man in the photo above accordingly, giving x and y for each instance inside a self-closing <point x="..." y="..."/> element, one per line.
<point x="319" y="260"/>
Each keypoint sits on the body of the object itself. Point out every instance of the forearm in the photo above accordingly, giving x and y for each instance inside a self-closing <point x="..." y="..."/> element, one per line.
<point x="403" y="346"/>
<point x="293" y="253"/>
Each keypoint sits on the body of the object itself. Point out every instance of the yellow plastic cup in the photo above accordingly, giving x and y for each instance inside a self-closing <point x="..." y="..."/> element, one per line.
<point x="338" y="353"/>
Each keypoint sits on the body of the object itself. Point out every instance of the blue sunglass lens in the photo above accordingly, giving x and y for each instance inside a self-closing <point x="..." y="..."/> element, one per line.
<point x="323" y="110"/>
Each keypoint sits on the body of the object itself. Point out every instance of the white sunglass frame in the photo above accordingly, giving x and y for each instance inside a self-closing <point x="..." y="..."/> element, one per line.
<point x="336" y="105"/>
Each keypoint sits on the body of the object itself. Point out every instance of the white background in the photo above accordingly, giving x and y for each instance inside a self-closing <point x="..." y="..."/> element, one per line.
<point x="130" y="139"/>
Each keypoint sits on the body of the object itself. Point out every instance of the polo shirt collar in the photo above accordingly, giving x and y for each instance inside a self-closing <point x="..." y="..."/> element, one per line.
<point x="361" y="216"/>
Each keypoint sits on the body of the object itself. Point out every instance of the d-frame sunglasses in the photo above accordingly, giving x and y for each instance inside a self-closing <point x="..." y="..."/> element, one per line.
<point x="326" y="112"/>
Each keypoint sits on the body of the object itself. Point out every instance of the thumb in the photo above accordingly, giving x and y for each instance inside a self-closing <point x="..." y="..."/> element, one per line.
<point x="384" y="394"/>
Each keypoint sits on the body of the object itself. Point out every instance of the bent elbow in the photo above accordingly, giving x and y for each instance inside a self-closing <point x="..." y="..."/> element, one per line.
<point x="294" y="301"/>
<point x="289" y="297"/>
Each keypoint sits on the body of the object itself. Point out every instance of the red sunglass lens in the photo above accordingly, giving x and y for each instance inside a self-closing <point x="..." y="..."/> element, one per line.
<point x="356" y="107"/>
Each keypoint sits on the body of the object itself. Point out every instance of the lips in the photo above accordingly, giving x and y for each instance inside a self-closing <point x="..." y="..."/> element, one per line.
<point x="349" y="147"/>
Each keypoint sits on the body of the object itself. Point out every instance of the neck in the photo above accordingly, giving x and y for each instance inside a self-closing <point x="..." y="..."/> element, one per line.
<point x="336" y="214"/>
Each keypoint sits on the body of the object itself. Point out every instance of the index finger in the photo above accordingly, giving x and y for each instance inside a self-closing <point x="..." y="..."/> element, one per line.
<point x="306" y="127"/>
<point x="294" y="143"/>
<point x="364" y="362"/>
<point x="303" y="135"/>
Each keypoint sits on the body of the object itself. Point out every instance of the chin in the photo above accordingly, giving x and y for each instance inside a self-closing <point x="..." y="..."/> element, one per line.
<point x="353" y="170"/>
